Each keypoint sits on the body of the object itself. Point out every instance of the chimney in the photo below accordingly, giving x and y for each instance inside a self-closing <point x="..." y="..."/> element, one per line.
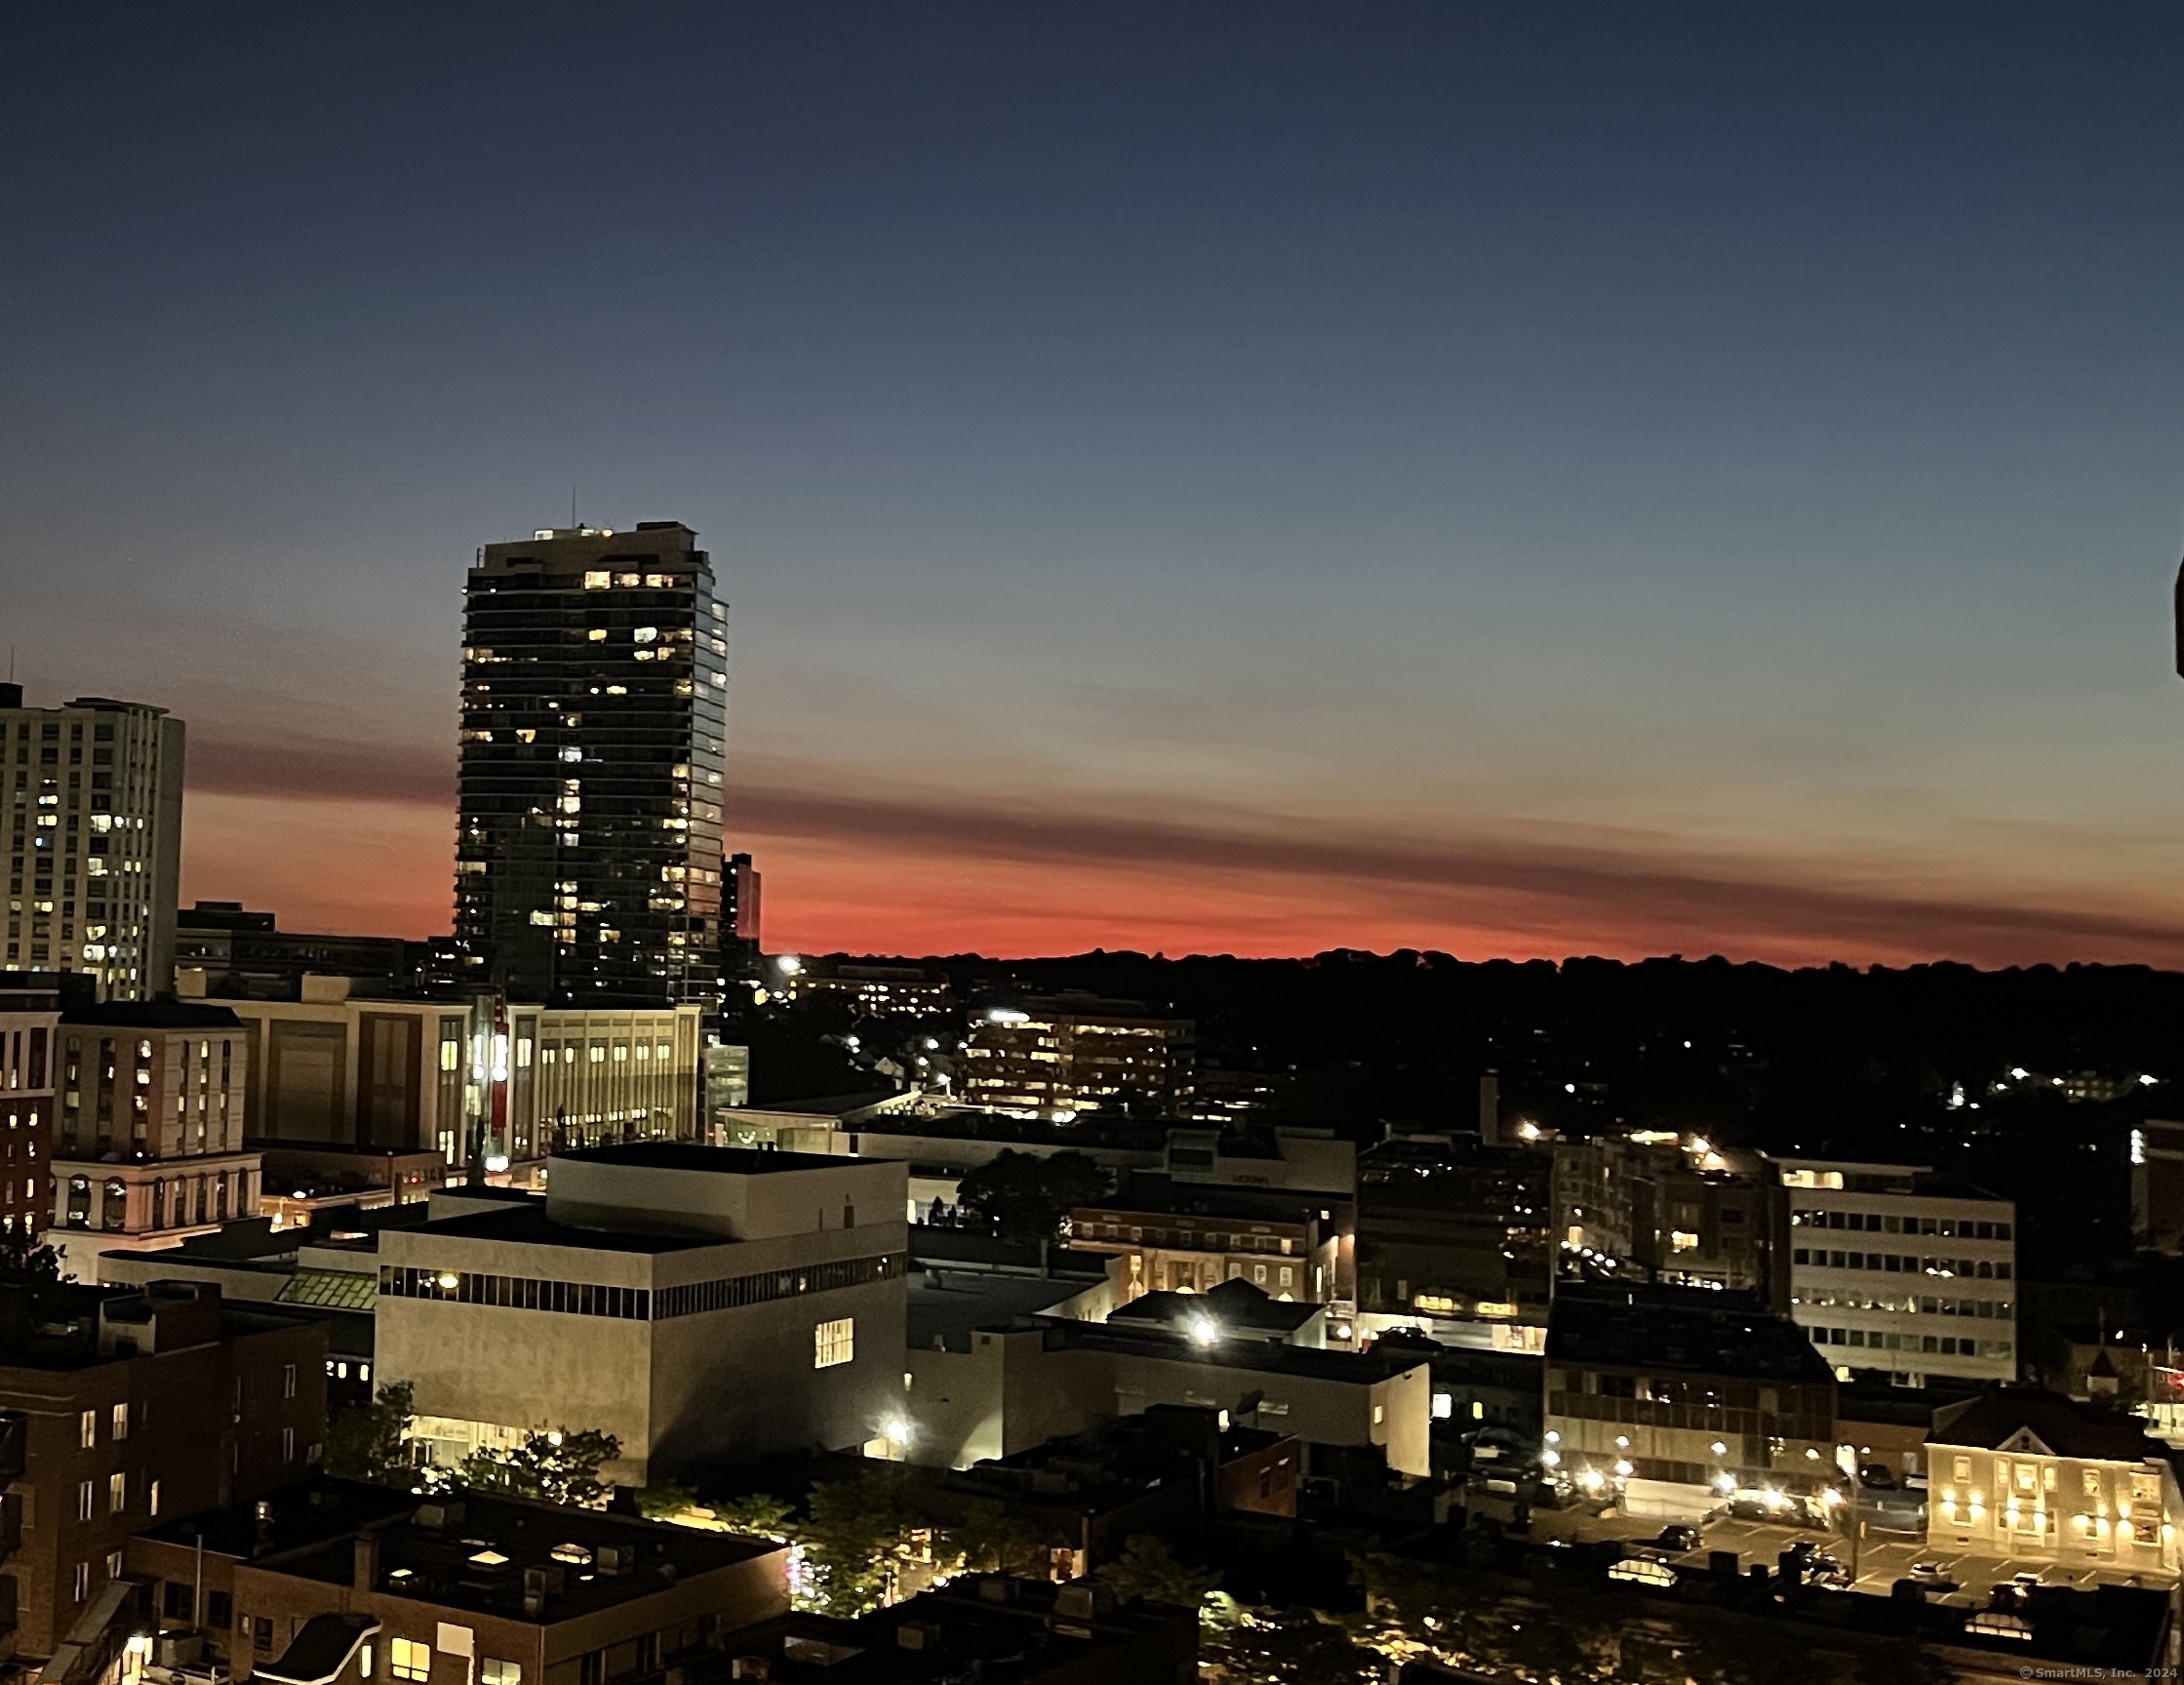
<point x="367" y="1575"/>
<point x="1490" y="1110"/>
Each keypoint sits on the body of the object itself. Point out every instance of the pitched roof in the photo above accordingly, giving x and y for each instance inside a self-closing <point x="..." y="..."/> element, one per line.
<point x="2062" y="1426"/>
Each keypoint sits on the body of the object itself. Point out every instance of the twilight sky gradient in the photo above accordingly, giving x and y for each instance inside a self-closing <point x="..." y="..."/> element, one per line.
<point x="1508" y="478"/>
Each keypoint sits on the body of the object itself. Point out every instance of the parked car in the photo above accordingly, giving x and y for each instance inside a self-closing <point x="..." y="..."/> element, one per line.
<point x="1931" y="1576"/>
<point x="1676" y="1536"/>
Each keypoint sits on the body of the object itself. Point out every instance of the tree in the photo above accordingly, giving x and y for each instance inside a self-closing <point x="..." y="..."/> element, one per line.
<point x="665" y="1500"/>
<point x="559" y="1468"/>
<point x="756" y="1514"/>
<point x="995" y="1539"/>
<point x="1025" y="1197"/>
<point x="22" y="1261"/>
<point x="1292" y="1648"/>
<point x="855" y="1534"/>
<point x="369" y="1441"/>
<point x="1148" y="1569"/>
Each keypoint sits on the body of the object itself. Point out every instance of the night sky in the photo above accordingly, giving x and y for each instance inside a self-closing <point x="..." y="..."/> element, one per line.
<point x="1516" y="479"/>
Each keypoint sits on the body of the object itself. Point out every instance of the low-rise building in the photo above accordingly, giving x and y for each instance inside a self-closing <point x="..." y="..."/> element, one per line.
<point x="1058" y="1055"/>
<point x="872" y="990"/>
<point x="337" y="1585"/>
<point x="994" y="1392"/>
<point x="1673" y="1400"/>
<point x="1449" y="1230"/>
<point x="30" y="1007"/>
<point x="459" y="1076"/>
<point x="1899" y="1271"/>
<point x="1677" y="1209"/>
<point x="134" y="1407"/>
<point x="151" y="1127"/>
<point x="1191" y="1236"/>
<point x="646" y="1295"/>
<point x="2025" y="1474"/>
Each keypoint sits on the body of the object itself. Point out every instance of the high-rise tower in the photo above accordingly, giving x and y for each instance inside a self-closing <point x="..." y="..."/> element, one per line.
<point x="94" y="834"/>
<point x="594" y="719"/>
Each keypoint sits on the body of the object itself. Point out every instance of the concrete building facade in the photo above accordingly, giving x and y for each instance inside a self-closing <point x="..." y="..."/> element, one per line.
<point x="92" y="832"/>
<point x="693" y="1302"/>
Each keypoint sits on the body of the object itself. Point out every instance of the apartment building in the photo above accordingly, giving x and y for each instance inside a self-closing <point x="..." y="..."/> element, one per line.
<point x="694" y="1301"/>
<point x="30" y="1006"/>
<point x="1675" y="1209"/>
<point x="133" y="1407"/>
<point x="1896" y="1270"/>
<point x="92" y="832"/>
<point x="149" y="1127"/>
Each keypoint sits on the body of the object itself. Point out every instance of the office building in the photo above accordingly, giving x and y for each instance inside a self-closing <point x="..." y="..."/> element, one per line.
<point x="337" y="1582"/>
<point x="134" y="1407"/>
<point x="2018" y="1472"/>
<point x="149" y="1127"/>
<point x="1671" y="1400"/>
<point x="458" y="1076"/>
<point x="594" y="721"/>
<point x="30" y="1006"/>
<point x="694" y="1301"/>
<point x="1896" y="1271"/>
<point x="93" y="840"/>
<point x="1061" y="1055"/>
<point x="869" y="990"/>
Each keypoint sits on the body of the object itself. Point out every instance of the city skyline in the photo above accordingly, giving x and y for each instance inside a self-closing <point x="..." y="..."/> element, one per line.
<point x="1512" y="483"/>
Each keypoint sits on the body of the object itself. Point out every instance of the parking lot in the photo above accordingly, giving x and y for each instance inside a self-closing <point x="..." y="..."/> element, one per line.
<point x="1880" y="1558"/>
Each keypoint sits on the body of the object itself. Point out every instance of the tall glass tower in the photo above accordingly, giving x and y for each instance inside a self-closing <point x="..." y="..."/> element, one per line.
<point x="594" y="720"/>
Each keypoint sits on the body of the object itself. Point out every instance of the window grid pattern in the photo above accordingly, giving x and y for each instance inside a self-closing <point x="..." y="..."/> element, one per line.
<point x="635" y="1304"/>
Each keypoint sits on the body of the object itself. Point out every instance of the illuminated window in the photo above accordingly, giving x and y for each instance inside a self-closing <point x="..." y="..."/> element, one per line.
<point x="407" y="1659"/>
<point x="492" y="1670"/>
<point x="86" y="1429"/>
<point x="597" y="634"/>
<point x="1444" y="1406"/>
<point x="597" y="580"/>
<point x="833" y="1342"/>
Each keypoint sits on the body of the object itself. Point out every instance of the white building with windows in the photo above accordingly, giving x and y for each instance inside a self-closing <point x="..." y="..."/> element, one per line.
<point x="694" y="1301"/>
<point x="94" y="828"/>
<point x="1896" y="1270"/>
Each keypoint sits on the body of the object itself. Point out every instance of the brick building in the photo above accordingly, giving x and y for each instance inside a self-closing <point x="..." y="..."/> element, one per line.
<point x="337" y="1582"/>
<point x="132" y="1406"/>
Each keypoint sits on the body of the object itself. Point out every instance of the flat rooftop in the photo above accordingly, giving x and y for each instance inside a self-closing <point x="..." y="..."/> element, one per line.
<point x="1150" y="1191"/>
<point x="472" y="1552"/>
<point x="713" y="1160"/>
<point x="946" y="1308"/>
<point x="529" y="1226"/>
<point x="1679" y="1330"/>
